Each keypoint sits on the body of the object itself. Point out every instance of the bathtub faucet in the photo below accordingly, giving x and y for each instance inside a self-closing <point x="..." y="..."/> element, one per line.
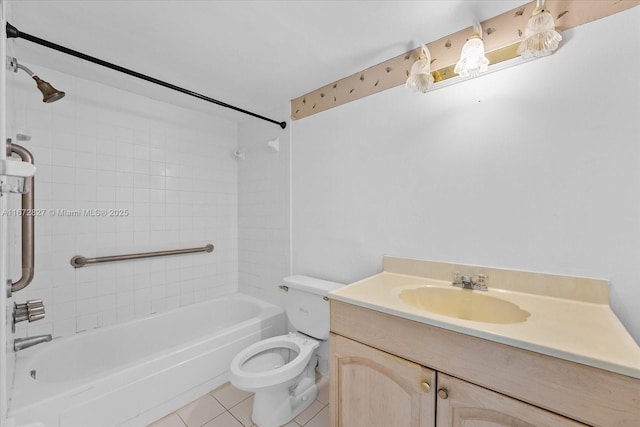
<point x="22" y="343"/>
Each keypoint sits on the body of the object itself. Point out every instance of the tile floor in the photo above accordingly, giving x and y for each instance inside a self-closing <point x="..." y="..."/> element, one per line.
<point x="227" y="406"/>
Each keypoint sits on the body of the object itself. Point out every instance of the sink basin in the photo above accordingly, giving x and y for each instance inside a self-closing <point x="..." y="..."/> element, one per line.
<point x="464" y="304"/>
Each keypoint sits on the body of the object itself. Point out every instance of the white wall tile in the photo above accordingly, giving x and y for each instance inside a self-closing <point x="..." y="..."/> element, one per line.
<point x="107" y="317"/>
<point x="86" y="322"/>
<point x="87" y="306"/>
<point x="134" y="153"/>
<point x="263" y="210"/>
<point x="64" y="327"/>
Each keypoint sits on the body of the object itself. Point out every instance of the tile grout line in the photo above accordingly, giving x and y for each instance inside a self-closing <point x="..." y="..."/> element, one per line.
<point x="294" y="422"/>
<point x="229" y="409"/>
<point x="234" y="417"/>
<point x="180" y="418"/>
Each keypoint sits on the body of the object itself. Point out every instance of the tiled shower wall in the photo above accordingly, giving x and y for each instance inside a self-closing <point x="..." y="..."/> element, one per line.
<point x="169" y="174"/>
<point x="264" y="208"/>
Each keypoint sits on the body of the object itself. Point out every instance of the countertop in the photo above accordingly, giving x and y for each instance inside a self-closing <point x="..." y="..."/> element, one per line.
<point x="583" y="332"/>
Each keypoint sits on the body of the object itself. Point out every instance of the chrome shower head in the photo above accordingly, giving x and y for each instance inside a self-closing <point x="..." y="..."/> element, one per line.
<point x="49" y="93"/>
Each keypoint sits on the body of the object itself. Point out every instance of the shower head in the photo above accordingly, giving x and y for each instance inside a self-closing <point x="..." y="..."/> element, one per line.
<point x="49" y="93"/>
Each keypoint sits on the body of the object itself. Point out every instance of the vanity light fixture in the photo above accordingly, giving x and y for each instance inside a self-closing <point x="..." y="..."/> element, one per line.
<point x="420" y="78"/>
<point x="540" y="35"/>
<point x="472" y="59"/>
<point x="503" y="35"/>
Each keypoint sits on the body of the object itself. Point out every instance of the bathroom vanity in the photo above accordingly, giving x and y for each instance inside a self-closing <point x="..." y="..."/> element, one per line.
<point x="566" y="362"/>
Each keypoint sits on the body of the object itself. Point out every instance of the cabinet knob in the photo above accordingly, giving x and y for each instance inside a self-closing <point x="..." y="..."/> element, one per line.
<point x="443" y="393"/>
<point x="425" y="386"/>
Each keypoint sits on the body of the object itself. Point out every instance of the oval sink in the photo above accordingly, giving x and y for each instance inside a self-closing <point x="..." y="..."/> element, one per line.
<point x="464" y="304"/>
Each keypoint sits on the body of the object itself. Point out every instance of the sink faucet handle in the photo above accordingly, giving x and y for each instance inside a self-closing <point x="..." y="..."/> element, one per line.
<point x="482" y="280"/>
<point x="456" y="277"/>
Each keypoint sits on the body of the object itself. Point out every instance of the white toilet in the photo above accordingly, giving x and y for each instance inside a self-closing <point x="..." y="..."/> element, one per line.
<point x="281" y="370"/>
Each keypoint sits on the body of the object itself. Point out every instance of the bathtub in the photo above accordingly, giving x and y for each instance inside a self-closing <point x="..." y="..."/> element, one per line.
<point x="136" y="372"/>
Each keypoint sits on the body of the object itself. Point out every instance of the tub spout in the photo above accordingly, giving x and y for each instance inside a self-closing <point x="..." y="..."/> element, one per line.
<point x="22" y="343"/>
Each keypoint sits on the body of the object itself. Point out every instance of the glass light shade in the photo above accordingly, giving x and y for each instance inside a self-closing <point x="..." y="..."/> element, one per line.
<point x="540" y="35"/>
<point x="472" y="60"/>
<point x="420" y="78"/>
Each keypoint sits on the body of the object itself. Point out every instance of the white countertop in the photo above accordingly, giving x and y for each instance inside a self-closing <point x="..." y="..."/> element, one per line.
<point x="582" y="332"/>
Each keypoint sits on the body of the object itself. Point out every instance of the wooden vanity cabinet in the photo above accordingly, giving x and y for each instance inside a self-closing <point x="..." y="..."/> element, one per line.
<point x="379" y="389"/>
<point x="462" y="404"/>
<point x="379" y="364"/>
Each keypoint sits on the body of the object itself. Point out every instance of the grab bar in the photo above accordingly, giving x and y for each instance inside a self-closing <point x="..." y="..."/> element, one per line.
<point x="80" y="261"/>
<point x="28" y="244"/>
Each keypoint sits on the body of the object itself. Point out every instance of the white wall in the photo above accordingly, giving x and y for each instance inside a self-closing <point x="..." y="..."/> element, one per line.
<point x="536" y="167"/>
<point x="264" y="209"/>
<point x="172" y="168"/>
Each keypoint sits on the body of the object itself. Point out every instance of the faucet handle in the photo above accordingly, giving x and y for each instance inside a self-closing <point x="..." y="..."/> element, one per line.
<point x="456" y="278"/>
<point x="32" y="304"/>
<point x="31" y="310"/>
<point x="482" y="280"/>
<point x="37" y="316"/>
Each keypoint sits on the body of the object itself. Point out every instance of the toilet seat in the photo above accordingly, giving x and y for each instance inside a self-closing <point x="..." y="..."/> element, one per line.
<point x="299" y="343"/>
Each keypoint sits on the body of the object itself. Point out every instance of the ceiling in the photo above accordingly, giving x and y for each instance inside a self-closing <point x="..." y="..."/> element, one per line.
<point x="257" y="55"/>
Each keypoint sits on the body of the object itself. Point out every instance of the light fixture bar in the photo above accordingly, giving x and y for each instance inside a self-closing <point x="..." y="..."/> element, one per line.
<point x="499" y="60"/>
<point x="13" y="32"/>
<point x="495" y="57"/>
<point x="502" y="31"/>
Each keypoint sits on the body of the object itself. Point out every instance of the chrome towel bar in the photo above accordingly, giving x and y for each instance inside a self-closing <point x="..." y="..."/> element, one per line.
<point x="80" y="261"/>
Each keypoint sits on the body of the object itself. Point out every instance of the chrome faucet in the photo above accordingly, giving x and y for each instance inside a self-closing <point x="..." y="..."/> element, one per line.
<point x="32" y="310"/>
<point x="22" y="343"/>
<point x="468" y="282"/>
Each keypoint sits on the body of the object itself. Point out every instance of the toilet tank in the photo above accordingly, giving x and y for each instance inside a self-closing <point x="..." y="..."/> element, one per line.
<point x="306" y="306"/>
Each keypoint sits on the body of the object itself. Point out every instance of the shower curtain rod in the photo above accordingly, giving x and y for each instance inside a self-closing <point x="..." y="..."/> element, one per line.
<point x="13" y="32"/>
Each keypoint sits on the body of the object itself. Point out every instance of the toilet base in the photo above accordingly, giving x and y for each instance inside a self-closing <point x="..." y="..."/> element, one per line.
<point x="274" y="408"/>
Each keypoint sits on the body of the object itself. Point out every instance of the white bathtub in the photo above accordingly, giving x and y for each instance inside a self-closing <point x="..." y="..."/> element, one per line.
<point x="136" y="372"/>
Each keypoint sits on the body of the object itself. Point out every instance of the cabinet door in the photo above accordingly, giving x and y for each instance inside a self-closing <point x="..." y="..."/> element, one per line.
<point x="371" y="388"/>
<point x="462" y="404"/>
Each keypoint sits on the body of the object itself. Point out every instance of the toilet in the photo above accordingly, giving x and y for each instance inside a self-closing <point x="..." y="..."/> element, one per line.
<point x="280" y="371"/>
